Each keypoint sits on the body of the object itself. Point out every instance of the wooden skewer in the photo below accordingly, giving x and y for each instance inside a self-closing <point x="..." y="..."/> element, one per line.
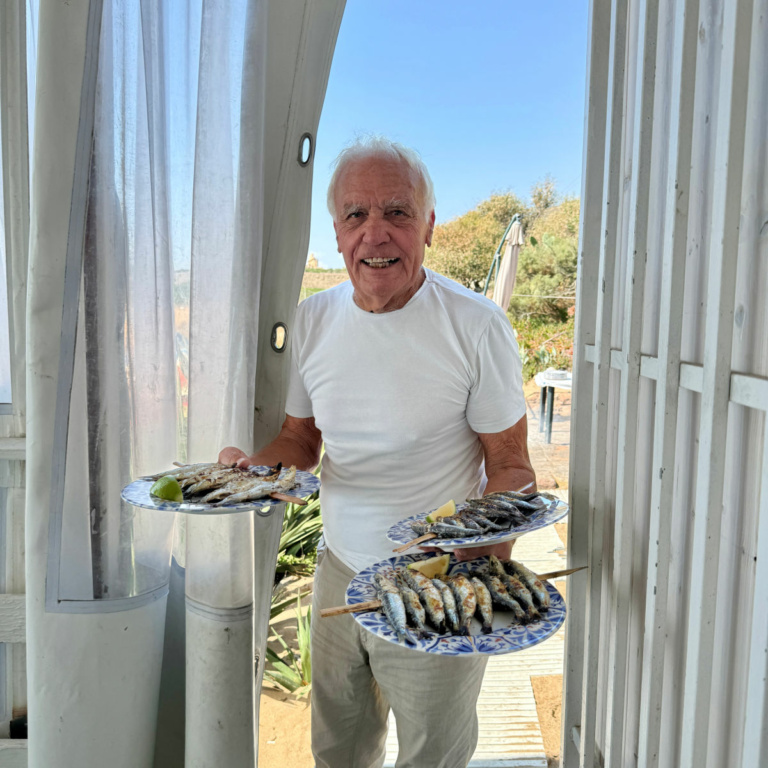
<point x="372" y="605"/>
<point x="558" y="574"/>
<point x="290" y="499"/>
<point x="415" y="542"/>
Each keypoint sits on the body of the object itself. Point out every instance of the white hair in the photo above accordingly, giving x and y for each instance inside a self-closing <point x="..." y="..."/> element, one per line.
<point x="366" y="147"/>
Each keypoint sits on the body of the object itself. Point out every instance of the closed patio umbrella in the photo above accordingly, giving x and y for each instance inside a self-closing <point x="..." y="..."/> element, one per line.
<point x="505" y="282"/>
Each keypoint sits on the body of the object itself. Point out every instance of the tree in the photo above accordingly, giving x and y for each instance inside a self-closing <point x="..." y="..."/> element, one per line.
<point x="463" y="248"/>
<point x="543" y="196"/>
<point x="547" y="265"/>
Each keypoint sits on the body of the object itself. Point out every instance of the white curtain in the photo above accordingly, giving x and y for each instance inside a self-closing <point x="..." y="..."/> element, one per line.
<point x="162" y="126"/>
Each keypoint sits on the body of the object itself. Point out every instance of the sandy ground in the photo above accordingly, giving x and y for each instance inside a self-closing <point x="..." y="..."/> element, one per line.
<point x="284" y="740"/>
<point x="284" y="723"/>
<point x="548" y="690"/>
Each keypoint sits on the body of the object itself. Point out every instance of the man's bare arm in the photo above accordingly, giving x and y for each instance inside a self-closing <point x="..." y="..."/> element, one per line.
<point x="507" y="464"/>
<point x="508" y="468"/>
<point x="298" y="443"/>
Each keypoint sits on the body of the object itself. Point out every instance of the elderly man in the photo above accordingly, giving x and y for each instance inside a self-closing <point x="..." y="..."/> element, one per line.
<point x="414" y="385"/>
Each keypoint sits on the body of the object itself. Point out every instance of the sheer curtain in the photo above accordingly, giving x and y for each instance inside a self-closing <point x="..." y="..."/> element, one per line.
<point x="163" y="345"/>
<point x="161" y="128"/>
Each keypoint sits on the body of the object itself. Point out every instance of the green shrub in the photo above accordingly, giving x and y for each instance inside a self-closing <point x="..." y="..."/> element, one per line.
<point x="293" y="671"/>
<point x="543" y="343"/>
<point x="546" y="268"/>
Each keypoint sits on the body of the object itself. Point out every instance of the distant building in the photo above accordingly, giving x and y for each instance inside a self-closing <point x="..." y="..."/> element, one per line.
<point x="312" y="262"/>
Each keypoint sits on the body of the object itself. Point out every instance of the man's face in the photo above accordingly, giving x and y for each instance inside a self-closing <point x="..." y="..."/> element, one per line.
<point x="382" y="231"/>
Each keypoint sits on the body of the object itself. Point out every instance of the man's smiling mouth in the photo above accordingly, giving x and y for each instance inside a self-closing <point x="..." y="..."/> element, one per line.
<point x="379" y="263"/>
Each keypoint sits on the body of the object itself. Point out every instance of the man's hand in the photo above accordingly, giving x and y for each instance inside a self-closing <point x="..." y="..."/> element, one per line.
<point x="298" y="443"/>
<point x="231" y="456"/>
<point x="503" y="551"/>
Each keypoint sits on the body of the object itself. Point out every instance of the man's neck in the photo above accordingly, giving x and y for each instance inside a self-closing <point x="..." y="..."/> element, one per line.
<point x="396" y="302"/>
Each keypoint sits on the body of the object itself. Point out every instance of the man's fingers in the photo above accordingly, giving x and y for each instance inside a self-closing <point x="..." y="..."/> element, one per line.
<point x="503" y="551"/>
<point x="231" y="455"/>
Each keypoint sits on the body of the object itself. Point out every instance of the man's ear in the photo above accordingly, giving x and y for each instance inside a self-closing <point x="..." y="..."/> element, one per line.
<point x="430" y="229"/>
<point x="336" y="230"/>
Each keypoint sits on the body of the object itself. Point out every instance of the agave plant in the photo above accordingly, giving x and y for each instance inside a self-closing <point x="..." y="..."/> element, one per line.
<point x="293" y="672"/>
<point x="302" y="528"/>
<point x="297" y="556"/>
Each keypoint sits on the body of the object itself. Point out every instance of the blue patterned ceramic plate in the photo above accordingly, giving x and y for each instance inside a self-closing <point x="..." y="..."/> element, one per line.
<point x="505" y="638"/>
<point x="137" y="493"/>
<point x="402" y="533"/>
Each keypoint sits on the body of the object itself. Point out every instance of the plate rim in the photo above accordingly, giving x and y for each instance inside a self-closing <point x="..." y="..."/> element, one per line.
<point x="499" y="537"/>
<point x="142" y="484"/>
<point x="553" y="591"/>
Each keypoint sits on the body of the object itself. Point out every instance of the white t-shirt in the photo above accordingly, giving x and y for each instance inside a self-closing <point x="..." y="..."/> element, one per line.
<point x="399" y="398"/>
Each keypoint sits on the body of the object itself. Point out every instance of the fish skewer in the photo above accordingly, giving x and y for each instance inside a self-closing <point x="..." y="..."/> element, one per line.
<point x="207" y="482"/>
<point x="449" y="604"/>
<point x="466" y="601"/>
<point x="499" y="511"/>
<point x="184" y="471"/>
<point x="413" y="607"/>
<point x="231" y="485"/>
<point x="484" y="608"/>
<point x="514" y="495"/>
<point x="442" y="530"/>
<point x="429" y="596"/>
<point x="531" y="581"/>
<point x="500" y="596"/>
<point x="262" y="488"/>
<point x="372" y="605"/>
<point x="515" y="587"/>
<point x="393" y="606"/>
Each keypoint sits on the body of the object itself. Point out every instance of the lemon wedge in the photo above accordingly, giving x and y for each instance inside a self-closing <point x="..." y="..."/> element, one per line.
<point x="448" y="509"/>
<point x="167" y="488"/>
<point x="433" y="566"/>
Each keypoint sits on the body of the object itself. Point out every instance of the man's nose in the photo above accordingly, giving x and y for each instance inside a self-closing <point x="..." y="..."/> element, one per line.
<point x="375" y="231"/>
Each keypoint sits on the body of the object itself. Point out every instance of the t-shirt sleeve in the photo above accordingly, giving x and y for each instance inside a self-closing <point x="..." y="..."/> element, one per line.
<point x="496" y="400"/>
<point x="297" y="402"/>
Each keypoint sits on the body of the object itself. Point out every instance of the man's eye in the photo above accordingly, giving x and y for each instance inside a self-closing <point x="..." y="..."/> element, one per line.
<point x="398" y="212"/>
<point x="354" y="215"/>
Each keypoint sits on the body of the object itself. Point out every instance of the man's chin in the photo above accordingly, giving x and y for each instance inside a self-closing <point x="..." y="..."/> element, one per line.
<point x="376" y="289"/>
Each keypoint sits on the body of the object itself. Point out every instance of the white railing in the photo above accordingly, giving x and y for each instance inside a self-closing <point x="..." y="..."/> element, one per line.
<point x="667" y="643"/>
<point x="15" y="202"/>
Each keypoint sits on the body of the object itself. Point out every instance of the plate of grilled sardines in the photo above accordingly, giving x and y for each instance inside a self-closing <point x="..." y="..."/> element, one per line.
<point x="482" y="606"/>
<point x="492" y="519"/>
<point x="219" y="489"/>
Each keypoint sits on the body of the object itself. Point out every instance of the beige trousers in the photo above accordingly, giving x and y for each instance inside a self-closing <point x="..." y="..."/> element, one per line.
<point x="357" y="677"/>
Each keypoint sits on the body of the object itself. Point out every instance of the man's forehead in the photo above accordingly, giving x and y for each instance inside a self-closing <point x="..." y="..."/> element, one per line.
<point x="376" y="177"/>
<point x="355" y="201"/>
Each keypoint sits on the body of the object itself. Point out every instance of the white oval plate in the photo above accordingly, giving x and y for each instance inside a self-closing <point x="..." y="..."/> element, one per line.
<point x="137" y="493"/>
<point x="402" y="533"/>
<point x="507" y="637"/>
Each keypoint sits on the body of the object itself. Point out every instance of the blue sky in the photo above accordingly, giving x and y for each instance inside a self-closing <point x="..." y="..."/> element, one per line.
<point x="490" y="93"/>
